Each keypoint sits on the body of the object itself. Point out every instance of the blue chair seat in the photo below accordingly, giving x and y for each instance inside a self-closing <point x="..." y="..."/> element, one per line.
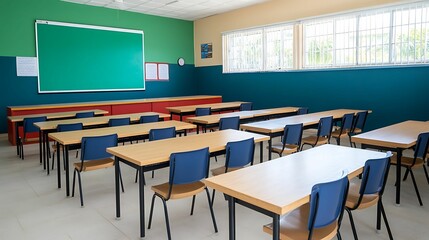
<point x="294" y="226"/>
<point x="180" y="190"/>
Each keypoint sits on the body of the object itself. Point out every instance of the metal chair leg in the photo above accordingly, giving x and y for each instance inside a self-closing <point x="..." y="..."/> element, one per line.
<point x="120" y="178"/>
<point x="415" y="187"/>
<point x="352" y="223"/>
<point x="74" y="180"/>
<point x="213" y="196"/>
<point x="211" y="210"/>
<point x="167" y="221"/>
<point x="426" y="173"/>
<point x="80" y="188"/>
<point x="137" y="176"/>
<point x="385" y="220"/>
<point x="151" y="211"/>
<point x="406" y="174"/>
<point x="193" y="205"/>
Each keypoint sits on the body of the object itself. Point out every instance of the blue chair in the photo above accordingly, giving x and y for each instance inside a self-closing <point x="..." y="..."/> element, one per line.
<point x="302" y="111"/>
<point x="187" y="169"/>
<point x="318" y="219"/>
<point x="238" y="155"/>
<point x="28" y="127"/>
<point x="94" y="156"/>
<point x="291" y="140"/>
<point x="324" y="130"/>
<point x="159" y="134"/>
<point x="229" y="123"/>
<point x="418" y="161"/>
<point x="358" y="123"/>
<point x="369" y="191"/>
<point x="345" y="128"/>
<point x="246" y="106"/>
<point x="65" y="128"/>
<point x="202" y="111"/>
<point x="85" y="114"/>
<point x="114" y="122"/>
<point x="149" y="118"/>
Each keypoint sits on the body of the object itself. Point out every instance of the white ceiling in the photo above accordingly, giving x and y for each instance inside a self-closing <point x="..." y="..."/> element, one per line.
<point x="180" y="9"/>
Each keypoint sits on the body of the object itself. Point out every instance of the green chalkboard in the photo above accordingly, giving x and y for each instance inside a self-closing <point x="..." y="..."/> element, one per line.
<point x="83" y="58"/>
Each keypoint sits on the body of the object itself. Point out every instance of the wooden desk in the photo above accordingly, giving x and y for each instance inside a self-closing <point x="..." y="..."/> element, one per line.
<point x="93" y="122"/>
<point x="19" y="121"/>
<point x="397" y="138"/>
<point x="275" y="127"/>
<point x="67" y="139"/>
<point x="143" y="156"/>
<point x="277" y="187"/>
<point x="215" y="107"/>
<point x="245" y="116"/>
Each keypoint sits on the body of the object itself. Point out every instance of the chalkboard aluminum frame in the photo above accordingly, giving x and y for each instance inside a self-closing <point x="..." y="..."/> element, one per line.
<point x="89" y="27"/>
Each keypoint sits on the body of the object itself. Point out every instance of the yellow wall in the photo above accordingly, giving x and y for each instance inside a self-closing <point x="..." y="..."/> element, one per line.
<point x="209" y="30"/>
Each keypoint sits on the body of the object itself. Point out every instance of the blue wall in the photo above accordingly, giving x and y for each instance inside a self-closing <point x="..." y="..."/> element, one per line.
<point x="393" y="94"/>
<point x="15" y="91"/>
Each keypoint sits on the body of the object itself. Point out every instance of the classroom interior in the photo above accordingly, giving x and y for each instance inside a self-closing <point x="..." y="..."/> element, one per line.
<point x="33" y="208"/>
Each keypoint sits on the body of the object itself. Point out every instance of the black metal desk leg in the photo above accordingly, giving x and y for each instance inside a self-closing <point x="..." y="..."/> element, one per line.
<point x="41" y="148"/>
<point x="117" y="191"/>
<point x="17" y="141"/>
<point x="46" y="150"/>
<point x="398" y="176"/>
<point x="142" y="210"/>
<point x="181" y="116"/>
<point x="58" y="166"/>
<point x="276" y="227"/>
<point x="270" y="144"/>
<point x="261" y="152"/>
<point x="66" y="163"/>
<point x="231" y="208"/>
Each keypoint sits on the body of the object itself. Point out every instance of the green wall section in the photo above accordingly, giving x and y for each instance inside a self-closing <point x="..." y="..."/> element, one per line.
<point x="393" y="94"/>
<point x="166" y="39"/>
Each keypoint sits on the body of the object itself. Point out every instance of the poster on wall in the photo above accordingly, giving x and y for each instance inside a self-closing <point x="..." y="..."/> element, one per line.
<point x="206" y="50"/>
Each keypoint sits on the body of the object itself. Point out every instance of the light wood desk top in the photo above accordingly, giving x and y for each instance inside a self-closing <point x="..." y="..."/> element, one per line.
<point x="55" y="115"/>
<point x="278" y="124"/>
<point x="215" y="118"/>
<point x="285" y="183"/>
<point x="401" y="135"/>
<point x="111" y="102"/>
<point x="213" y="106"/>
<point x="49" y="125"/>
<point x="75" y="137"/>
<point x="159" y="151"/>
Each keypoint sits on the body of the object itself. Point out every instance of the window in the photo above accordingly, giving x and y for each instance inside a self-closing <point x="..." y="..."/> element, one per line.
<point x="395" y="35"/>
<point x="261" y="49"/>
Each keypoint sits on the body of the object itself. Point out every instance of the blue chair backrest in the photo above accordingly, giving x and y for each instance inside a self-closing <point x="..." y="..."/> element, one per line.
<point x="94" y="148"/>
<point x="202" y="111"/>
<point x="347" y="122"/>
<point x="360" y="120"/>
<point x="229" y="123"/>
<point x="162" y="133"/>
<point x="246" y="106"/>
<point x="85" y="114"/>
<point x="302" y="111"/>
<point x="422" y="145"/>
<point x="69" y="127"/>
<point x="240" y="153"/>
<point x="292" y="134"/>
<point x="374" y="175"/>
<point x="189" y="167"/>
<point x="29" y="124"/>
<point x="149" y="118"/>
<point x="325" y="126"/>
<point x="327" y="202"/>
<point x="113" y="122"/>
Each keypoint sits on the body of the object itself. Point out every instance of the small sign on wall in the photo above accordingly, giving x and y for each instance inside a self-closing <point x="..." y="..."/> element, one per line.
<point x="26" y="66"/>
<point x="206" y="50"/>
<point x="157" y="71"/>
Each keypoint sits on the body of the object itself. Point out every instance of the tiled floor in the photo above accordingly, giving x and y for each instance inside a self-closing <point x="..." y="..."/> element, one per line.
<point x="31" y="207"/>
